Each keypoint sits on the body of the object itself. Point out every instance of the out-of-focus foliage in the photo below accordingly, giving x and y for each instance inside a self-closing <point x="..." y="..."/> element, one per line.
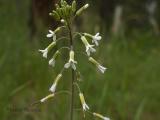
<point x="128" y="91"/>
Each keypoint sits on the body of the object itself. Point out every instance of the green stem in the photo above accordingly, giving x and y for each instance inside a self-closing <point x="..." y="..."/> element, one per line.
<point x="73" y="75"/>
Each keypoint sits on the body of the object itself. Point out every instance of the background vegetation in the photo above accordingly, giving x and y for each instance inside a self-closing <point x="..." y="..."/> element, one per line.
<point x="129" y="90"/>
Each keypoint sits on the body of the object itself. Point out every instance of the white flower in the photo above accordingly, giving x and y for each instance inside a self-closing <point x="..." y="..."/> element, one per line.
<point x="53" y="59"/>
<point x="71" y="61"/>
<point x="51" y="34"/>
<point x="52" y="62"/>
<point x="89" y="48"/>
<point x="46" y="98"/>
<point x="100" y="116"/>
<point x="46" y="50"/>
<point x="86" y="6"/>
<point x="84" y="105"/>
<point x="54" y="85"/>
<point x="100" y="67"/>
<point x="96" y="38"/>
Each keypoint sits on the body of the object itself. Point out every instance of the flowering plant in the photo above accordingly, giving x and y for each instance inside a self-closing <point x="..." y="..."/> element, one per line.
<point x="65" y="14"/>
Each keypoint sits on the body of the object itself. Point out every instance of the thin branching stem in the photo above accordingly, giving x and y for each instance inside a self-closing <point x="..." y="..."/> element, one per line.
<point x="72" y="72"/>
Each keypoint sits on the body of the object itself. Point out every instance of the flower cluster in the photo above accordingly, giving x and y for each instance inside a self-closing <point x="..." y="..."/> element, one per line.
<point x="65" y="14"/>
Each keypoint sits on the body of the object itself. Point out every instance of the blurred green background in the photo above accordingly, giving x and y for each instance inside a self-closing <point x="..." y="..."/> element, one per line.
<point x="130" y="48"/>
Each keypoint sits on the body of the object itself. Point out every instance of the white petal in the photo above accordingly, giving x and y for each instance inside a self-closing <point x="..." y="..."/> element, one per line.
<point x="97" y="34"/>
<point x="67" y="65"/>
<point x="101" y="68"/>
<point x="53" y="88"/>
<point x="99" y="37"/>
<point x="52" y="62"/>
<point x="49" y="35"/>
<point x="75" y="62"/>
<point x="87" y="106"/>
<point x="54" y="37"/>
<point x="96" y="43"/>
<point x="73" y="66"/>
<point x="105" y="118"/>
<point x="50" y="31"/>
<point x="92" y="49"/>
<point x="45" y="52"/>
<point x="88" y="52"/>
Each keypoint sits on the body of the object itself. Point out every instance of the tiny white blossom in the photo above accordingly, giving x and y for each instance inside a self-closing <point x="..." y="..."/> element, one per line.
<point x="51" y="34"/>
<point x="101" y="68"/>
<point x="53" y="59"/>
<point x="62" y="20"/>
<point x="52" y="62"/>
<point x="101" y="116"/>
<point x="44" y="52"/>
<point x="84" y="105"/>
<point x="89" y="48"/>
<point x="96" y="38"/>
<point x="54" y="85"/>
<point x="71" y="62"/>
<point x="53" y="88"/>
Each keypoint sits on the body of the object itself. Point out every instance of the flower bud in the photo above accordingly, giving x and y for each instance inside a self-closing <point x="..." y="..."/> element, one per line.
<point x="73" y="6"/>
<point x="82" y="9"/>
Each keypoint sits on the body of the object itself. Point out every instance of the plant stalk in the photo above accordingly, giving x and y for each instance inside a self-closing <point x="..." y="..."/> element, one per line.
<point x="73" y="75"/>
